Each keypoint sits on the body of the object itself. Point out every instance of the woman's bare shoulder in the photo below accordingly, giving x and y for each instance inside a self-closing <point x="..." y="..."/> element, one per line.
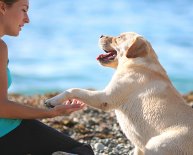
<point x="3" y="45"/>
<point x="3" y="51"/>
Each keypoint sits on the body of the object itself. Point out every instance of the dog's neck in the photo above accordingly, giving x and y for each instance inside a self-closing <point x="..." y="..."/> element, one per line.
<point x="126" y="64"/>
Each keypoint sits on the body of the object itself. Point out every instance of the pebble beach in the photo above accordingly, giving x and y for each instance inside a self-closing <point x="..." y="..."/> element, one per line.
<point x="99" y="129"/>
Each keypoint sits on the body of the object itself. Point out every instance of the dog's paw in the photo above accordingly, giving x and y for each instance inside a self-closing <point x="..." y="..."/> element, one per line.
<point x="48" y="104"/>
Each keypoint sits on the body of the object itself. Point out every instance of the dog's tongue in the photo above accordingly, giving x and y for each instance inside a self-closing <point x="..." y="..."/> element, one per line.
<point x="100" y="56"/>
<point x="105" y="56"/>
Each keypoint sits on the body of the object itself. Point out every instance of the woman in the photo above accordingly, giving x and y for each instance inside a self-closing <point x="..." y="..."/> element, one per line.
<point x="20" y="132"/>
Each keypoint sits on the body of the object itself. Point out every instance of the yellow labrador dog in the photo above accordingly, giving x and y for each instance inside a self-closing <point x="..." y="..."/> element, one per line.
<point x="151" y="113"/>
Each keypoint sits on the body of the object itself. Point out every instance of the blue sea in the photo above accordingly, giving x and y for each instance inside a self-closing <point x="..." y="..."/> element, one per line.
<point x="58" y="49"/>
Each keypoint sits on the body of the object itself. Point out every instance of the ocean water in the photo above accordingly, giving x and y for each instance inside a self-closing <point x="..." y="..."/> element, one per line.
<point x="58" y="49"/>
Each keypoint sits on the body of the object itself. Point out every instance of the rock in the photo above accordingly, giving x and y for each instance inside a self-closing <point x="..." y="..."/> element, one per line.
<point x="99" y="146"/>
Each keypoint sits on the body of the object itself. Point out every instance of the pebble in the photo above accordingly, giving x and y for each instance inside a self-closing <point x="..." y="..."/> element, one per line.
<point x="99" y="146"/>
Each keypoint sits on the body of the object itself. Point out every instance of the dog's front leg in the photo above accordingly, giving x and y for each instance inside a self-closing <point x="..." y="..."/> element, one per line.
<point x="97" y="99"/>
<point x="137" y="151"/>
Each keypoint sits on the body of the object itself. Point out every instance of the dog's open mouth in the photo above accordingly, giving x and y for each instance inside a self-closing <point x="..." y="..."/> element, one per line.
<point x="109" y="56"/>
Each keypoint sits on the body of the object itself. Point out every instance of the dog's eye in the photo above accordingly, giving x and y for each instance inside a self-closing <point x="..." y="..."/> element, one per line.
<point x="118" y="39"/>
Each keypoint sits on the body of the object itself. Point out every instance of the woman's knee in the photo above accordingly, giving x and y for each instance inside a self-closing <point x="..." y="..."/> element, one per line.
<point x="84" y="149"/>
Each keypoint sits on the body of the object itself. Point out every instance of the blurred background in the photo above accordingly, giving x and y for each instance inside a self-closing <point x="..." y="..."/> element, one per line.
<point x="58" y="49"/>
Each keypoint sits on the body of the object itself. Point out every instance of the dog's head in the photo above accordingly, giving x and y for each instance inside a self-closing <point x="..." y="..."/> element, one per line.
<point x="128" y="45"/>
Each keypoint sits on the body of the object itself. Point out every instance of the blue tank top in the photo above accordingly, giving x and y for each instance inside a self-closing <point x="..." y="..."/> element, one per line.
<point x="7" y="125"/>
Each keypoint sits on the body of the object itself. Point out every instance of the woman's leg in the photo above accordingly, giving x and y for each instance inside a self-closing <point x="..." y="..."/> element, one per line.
<point x="37" y="138"/>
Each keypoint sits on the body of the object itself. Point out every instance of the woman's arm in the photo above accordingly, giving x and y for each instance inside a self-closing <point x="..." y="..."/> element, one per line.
<point x="10" y="109"/>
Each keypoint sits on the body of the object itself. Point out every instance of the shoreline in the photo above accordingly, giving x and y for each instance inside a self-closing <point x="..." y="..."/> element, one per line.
<point x="99" y="129"/>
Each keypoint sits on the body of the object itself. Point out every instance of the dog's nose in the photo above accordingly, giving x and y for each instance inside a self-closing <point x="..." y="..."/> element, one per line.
<point x="101" y="36"/>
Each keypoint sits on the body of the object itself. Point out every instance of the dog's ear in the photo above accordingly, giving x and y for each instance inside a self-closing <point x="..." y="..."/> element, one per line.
<point x="137" y="49"/>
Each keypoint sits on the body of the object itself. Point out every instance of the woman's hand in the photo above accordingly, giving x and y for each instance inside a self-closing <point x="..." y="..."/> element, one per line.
<point x="67" y="107"/>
